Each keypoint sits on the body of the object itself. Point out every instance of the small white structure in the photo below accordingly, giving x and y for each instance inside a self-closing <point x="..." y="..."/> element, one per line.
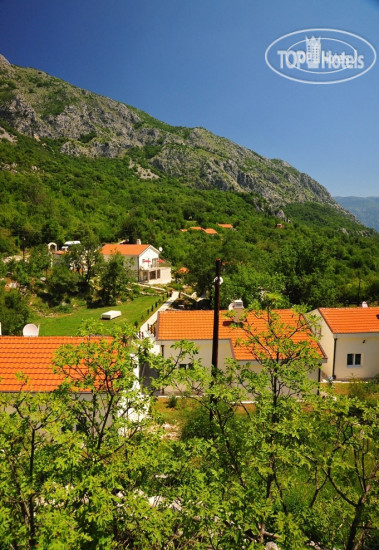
<point x="30" y="330"/>
<point x="67" y="244"/>
<point x="111" y="314"/>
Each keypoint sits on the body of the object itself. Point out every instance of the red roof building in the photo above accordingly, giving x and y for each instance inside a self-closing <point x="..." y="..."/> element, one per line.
<point x="31" y="357"/>
<point x="143" y="259"/>
<point x="350" y="337"/>
<point x="124" y="249"/>
<point x="210" y="231"/>
<point x="235" y="342"/>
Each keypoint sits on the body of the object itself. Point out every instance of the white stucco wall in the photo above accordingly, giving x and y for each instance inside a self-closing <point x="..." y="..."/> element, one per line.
<point x="205" y="356"/>
<point x="165" y="277"/>
<point x="205" y="351"/>
<point x="148" y="254"/>
<point x="367" y="344"/>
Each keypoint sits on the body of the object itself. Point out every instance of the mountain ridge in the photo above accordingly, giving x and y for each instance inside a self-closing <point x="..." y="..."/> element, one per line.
<point x="42" y="106"/>
<point x="365" y="209"/>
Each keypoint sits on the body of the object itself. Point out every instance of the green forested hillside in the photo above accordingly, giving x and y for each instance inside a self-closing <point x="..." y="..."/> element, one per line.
<point x="78" y="166"/>
<point x="319" y="256"/>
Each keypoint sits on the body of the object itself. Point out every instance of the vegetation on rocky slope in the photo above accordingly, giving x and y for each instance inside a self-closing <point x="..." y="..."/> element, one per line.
<point x="74" y="165"/>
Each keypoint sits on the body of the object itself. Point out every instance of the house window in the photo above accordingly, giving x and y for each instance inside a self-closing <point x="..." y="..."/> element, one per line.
<point x="354" y="360"/>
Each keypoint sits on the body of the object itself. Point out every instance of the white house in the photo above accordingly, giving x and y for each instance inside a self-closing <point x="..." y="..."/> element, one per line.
<point x="143" y="259"/>
<point x="234" y="342"/>
<point x="350" y="339"/>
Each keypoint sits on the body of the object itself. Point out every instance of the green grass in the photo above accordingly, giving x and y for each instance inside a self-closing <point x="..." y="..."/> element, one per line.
<point x="67" y="324"/>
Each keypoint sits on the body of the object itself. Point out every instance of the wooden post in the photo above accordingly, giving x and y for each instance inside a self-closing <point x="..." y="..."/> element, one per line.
<point x="216" y="317"/>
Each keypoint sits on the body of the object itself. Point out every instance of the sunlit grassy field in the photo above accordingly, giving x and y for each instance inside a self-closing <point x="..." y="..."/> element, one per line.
<point x="67" y="324"/>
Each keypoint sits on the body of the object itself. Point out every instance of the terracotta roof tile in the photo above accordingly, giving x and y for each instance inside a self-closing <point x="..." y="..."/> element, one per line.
<point x="344" y="320"/>
<point x="198" y="325"/>
<point x="210" y="231"/>
<point x="124" y="249"/>
<point x="196" y="228"/>
<point x="225" y="225"/>
<point x="33" y="357"/>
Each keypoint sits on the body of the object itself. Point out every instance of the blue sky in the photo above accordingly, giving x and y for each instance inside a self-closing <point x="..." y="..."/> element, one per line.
<point x="201" y="63"/>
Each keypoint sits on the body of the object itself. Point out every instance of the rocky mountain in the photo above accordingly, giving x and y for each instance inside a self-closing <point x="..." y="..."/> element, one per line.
<point x="366" y="209"/>
<point x="86" y="124"/>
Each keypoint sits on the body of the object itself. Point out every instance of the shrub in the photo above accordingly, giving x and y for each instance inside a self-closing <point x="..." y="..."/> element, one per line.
<point x="172" y="401"/>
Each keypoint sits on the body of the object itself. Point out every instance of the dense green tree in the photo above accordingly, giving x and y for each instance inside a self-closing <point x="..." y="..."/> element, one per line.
<point x="18" y="271"/>
<point x="62" y="283"/>
<point x="39" y="261"/>
<point x="115" y="280"/>
<point x="296" y="468"/>
<point x="14" y="311"/>
<point x="74" y="468"/>
<point x="86" y="259"/>
<point x="319" y="253"/>
<point x="307" y="267"/>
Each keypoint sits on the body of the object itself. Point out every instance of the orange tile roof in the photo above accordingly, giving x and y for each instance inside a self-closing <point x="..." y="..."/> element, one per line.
<point x="198" y="325"/>
<point x="33" y="357"/>
<point x="124" y="249"/>
<point x="210" y="231"/>
<point x="196" y="228"/>
<point x="345" y="320"/>
<point x="225" y="225"/>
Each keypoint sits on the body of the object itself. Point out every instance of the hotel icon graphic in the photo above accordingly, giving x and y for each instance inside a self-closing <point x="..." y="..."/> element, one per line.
<point x="313" y="46"/>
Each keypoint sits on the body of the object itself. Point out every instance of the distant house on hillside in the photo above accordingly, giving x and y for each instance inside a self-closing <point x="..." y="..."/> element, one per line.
<point x="225" y="225"/>
<point x="58" y="255"/>
<point x="350" y="338"/>
<point x="144" y="261"/>
<point x="210" y="231"/>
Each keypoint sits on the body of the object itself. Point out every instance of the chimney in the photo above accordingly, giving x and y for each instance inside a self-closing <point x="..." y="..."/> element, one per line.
<point x="237" y="307"/>
<point x="139" y="241"/>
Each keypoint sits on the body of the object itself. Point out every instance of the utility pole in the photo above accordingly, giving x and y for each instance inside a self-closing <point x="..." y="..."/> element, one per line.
<point x="217" y="282"/>
<point x="359" y="291"/>
<point x="23" y="248"/>
<point x="216" y="316"/>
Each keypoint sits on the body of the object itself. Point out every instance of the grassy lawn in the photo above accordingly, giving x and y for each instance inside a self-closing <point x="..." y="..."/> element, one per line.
<point x="178" y="414"/>
<point x="67" y="324"/>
